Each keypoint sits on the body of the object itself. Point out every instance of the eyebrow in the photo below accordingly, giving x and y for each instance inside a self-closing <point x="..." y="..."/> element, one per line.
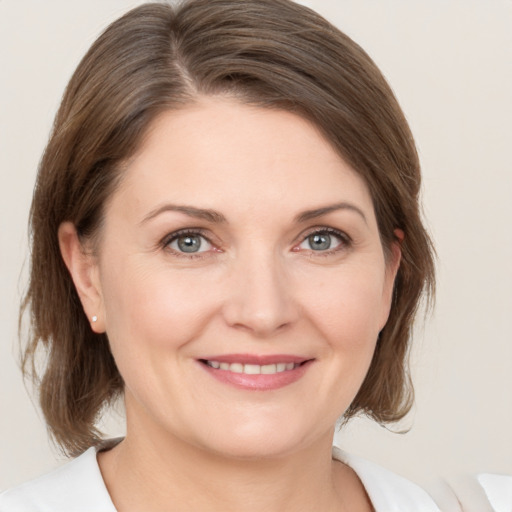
<point x="319" y="212"/>
<point x="216" y="217"/>
<point x="198" y="213"/>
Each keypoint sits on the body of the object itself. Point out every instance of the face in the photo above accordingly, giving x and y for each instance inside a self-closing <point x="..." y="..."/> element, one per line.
<point x="241" y="280"/>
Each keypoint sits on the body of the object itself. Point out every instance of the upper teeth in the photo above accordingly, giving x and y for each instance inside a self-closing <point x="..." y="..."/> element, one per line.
<point x="252" y="369"/>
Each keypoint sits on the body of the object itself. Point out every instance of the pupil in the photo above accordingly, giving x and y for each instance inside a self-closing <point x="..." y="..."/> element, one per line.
<point x="189" y="243"/>
<point x="320" y="242"/>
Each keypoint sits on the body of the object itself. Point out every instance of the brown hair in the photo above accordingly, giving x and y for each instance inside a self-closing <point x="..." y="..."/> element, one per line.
<point x="271" y="53"/>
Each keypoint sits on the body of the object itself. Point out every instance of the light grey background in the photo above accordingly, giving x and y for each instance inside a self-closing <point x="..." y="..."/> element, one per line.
<point x="450" y="64"/>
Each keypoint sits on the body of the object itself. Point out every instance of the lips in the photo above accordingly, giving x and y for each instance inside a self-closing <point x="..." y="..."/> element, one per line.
<point x="254" y="372"/>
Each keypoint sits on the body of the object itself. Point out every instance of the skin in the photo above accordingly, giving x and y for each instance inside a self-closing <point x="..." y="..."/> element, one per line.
<point x="255" y="287"/>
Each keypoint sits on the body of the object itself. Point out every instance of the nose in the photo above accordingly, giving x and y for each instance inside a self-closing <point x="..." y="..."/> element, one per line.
<point x="260" y="297"/>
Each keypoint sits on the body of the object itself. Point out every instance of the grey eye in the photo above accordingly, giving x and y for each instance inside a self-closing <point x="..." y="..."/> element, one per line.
<point x="189" y="243"/>
<point x="319" y="241"/>
<point x="325" y="241"/>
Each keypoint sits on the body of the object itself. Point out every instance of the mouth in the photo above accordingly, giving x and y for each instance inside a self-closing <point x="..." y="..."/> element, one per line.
<point x="252" y="369"/>
<point x="263" y="373"/>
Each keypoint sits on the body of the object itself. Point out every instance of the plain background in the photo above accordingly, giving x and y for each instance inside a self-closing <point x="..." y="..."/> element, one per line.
<point x="450" y="64"/>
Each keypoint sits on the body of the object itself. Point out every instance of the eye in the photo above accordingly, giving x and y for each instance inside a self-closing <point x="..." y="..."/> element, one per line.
<point x="188" y="243"/>
<point x="325" y="240"/>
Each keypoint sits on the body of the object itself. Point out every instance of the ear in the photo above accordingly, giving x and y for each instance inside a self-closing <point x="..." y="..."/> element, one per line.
<point x="83" y="267"/>
<point x="392" y="265"/>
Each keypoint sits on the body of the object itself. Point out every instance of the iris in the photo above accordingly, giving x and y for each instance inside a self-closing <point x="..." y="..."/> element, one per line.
<point x="189" y="243"/>
<point x="319" y="241"/>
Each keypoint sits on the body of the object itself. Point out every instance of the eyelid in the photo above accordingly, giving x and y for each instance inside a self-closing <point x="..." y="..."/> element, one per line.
<point x="171" y="237"/>
<point x="345" y="239"/>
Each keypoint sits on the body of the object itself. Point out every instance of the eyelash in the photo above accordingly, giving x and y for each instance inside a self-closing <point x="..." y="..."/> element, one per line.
<point x="345" y="242"/>
<point x="182" y="233"/>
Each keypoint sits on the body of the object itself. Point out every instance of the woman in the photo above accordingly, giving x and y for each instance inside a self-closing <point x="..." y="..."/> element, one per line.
<point x="225" y="232"/>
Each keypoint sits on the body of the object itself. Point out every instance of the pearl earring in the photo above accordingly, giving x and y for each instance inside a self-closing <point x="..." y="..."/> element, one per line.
<point x="94" y="318"/>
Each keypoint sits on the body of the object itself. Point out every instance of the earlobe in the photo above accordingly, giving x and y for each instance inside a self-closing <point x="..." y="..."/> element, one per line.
<point x="83" y="268"/>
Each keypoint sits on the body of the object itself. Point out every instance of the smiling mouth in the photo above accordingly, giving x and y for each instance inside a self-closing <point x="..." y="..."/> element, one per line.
<point x="252" y="372"/>
<point x="252" y="369"/>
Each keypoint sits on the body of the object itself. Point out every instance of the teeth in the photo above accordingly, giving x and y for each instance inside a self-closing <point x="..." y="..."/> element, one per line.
<point x="236" y="368"/>
<point x="268" y="369"/>
<point x="253" y="369"/>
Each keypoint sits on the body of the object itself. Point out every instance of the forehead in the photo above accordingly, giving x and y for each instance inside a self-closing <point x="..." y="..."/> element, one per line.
<point x="221" y="153"/>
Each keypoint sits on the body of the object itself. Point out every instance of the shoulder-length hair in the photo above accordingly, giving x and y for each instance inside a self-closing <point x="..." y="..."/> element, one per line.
<point x="270" y="53"/>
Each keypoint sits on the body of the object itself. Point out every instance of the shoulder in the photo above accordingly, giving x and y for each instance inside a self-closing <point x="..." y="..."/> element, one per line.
<point x="498" y="489"/>
<point x="387" y="490"/>
<point x="77" y="486"/>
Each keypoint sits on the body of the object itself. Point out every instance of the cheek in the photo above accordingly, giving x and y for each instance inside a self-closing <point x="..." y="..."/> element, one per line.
<point x="154" y="308"/>
<point x="347" y="307"/>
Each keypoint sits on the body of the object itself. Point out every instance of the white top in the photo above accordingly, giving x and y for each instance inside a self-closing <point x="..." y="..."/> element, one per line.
<point x="498" y="489"/>
<point x="79" y="487"/>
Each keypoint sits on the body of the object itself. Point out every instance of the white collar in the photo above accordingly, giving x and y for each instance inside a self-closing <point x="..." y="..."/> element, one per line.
<point x="78" y="486"/>
<point x="387" y="491"/>
<point x="498" y="489"/>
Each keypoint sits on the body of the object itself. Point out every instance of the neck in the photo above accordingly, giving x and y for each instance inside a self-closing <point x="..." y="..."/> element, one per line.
<point x="153" y="474"/>
<point x="155" y="470"/>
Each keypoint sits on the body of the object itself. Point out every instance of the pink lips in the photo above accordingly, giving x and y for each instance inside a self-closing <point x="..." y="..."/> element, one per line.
<point x="256" y="372"/>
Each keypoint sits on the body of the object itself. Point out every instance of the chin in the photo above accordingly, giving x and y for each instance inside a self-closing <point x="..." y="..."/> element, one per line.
<point x="251" y="449"/>
<point x="262" y="440"/>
